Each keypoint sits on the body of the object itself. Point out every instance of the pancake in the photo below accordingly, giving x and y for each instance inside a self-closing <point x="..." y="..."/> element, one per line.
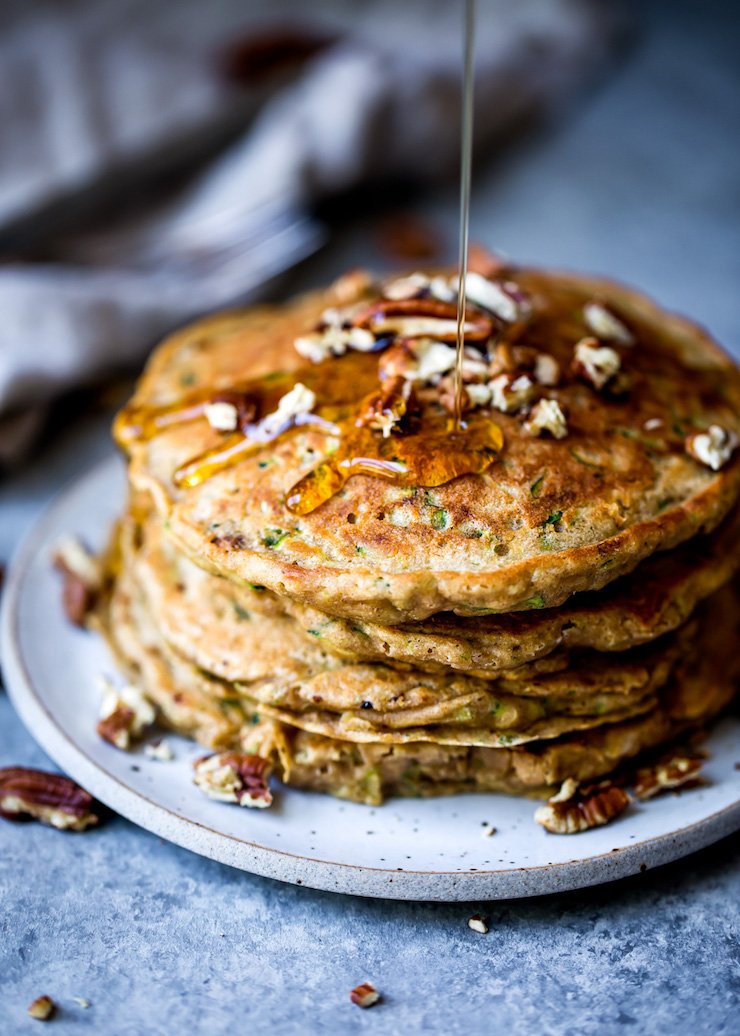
<point x="192" y="703"/>
<point x="655" y="599"/>
<point x="373" y="702"/>
<point x="549" y="518"/>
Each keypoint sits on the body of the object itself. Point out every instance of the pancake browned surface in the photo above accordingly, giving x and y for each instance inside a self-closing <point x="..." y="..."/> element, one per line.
<point x="653" y="600"/>
<point x="200" y="706"/>
<point x="295" y="681"/>
<point x="551" y="517"/>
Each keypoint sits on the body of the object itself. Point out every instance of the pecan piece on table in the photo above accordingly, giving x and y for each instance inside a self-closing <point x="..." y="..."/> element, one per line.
<point x="235" y="777"/>
<point x="365" y="995"/>
<point x="83" y="578"/>
<point x="672" y="771"/>
<point x="48" y="797"/>
<point x="42" y="1008"/>
<point x="575" y="809"/>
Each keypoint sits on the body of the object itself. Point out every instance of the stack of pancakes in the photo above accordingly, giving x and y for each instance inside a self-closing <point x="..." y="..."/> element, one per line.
<point x="552" y="616"/>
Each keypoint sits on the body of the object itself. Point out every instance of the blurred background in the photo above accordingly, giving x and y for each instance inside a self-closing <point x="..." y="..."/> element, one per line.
<point x="163" y="160"/>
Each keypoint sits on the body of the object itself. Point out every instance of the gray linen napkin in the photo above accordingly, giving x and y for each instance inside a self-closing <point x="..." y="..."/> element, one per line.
<point x="109" y="93"/>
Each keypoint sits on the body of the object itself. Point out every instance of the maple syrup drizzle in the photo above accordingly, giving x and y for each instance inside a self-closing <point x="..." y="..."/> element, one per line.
<point x="430" y="457"/>
<point x="466" y="148"/>
<point x="424" y="453"/>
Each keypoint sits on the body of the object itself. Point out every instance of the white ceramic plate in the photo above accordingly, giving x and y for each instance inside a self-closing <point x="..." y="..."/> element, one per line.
<point x="408" y="849"/>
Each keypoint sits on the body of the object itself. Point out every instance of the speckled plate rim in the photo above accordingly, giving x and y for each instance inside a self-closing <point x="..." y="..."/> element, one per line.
<point x="267" y="861"/>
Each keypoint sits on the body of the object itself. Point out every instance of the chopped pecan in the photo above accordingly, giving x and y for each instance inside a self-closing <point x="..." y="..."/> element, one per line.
<point x="160" y="750"/>
<point x="42" y="1008"/>
<point x="576" y="809"/>
<point x="125" y="714"/>
<point x="594" y="363"/>
<point x="674" y="770"/>
<point x="510" y="392"/>
<point x="524" y="359"/>
<point x="222" y="416"/>
<point x="365" y="995"/>
<point x="235" y="777"/>
<point x="479" y="924"/>
<point x="397" y="362"/>
<point x="351" y="286"/>
<point x="547" y="416"/>
<point x="334" y="340"/>
<point x="713" y="448"/>
<point x="295" y="403"/>
<point x="411" y="287"/>
<point x="422" y="317"/>
<point x="245" y="404"/>
<point x="82" y="575"/>
<point x="602" y="323"/>
<point x="48" y="797"/>
<point x="504" y="299"/>
<point x="384" y="410"/>
<point x="546" y="370"/>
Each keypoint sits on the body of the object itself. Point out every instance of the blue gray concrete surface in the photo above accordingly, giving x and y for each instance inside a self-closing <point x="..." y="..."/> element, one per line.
<point x="639" y="181"/>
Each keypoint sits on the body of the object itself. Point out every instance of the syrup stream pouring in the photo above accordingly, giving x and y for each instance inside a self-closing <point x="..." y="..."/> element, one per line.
<point x="466" y="147"/>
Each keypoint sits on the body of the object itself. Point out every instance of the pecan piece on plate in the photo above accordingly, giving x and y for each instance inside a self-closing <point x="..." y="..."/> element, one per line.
<point x="125" y="713"/>
<point x="365" y="995"/>
<point x="48" y="797"/>
<point x="672" y="771"/>
<point x="575" y="809"/>
<point x="82" y="575"/>
<point x="235" y="777"/>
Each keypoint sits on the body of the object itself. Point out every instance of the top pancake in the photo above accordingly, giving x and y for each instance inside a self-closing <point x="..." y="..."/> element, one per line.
<point x="548" y="519"/>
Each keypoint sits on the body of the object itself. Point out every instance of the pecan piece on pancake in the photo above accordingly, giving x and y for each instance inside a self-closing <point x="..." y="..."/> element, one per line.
<point x="603" y="323"/>
<point x="421" y="318"/>
<point x="575" y="809"/>
<point x="234" y="409"/>
<point x="713" y="448"/>
<point x="504" y="299"/>
<point x="673" y="770"/>
<point x="235" y="777"/>
<point x="48" y="797"/>
<point x="594" y="363"/>
<point x="546" y="416"/>
<point x="386" y="408"/>
<point x="508" y="358"/>
<point x="365" y="995"/>
<point x="82" y="575"/>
